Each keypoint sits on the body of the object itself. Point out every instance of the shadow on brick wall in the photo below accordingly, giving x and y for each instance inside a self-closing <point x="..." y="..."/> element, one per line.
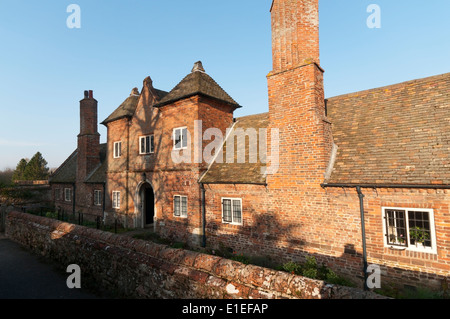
<point x="272" y="243"/>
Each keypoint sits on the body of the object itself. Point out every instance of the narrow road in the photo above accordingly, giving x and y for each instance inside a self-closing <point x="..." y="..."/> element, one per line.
<point x="24" y="275"/>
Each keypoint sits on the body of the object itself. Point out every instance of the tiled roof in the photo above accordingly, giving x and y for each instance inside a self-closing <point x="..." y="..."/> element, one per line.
<point x="242" y="173"/>
<point x="197" y="83"/>
<point x="398" y="134"/>
<point x="67" y="172"/>
<point x="128" y="107"/>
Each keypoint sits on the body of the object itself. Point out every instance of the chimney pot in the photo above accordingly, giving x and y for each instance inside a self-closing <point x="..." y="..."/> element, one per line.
<point x="86" y="94"/>
<point x="91" y="94"/>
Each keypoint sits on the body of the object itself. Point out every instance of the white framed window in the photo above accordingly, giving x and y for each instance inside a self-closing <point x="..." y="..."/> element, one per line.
<point x="180" y="206"/>
<point x="97" y="198"/>
<point x="180" y="138"/>
<point x="115" y="200"/>
<point x="232" y="211"/>
<point x="147" y="144"/>
<point x="117" y="149"/>
<point x="67" y="194"/>
<point x="409" y="228"/>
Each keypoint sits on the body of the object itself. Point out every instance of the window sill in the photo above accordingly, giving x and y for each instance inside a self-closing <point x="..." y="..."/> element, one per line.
<point x="232" y="224"/>
<point x="412" y="250"/>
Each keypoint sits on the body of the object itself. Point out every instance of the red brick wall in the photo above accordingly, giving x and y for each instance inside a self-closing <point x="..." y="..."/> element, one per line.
<point x="332" y="232"/>
<point x="295" y="33"/>
<point x="166" y="177"/>
<point x="88" y="157"/>
<point x="61" y="202"/>
<point x="140" y="269"/>
<point x="83" y="196"/>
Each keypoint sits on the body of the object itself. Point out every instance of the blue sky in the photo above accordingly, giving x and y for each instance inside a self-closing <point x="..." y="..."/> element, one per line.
<point x="45" y="66"/>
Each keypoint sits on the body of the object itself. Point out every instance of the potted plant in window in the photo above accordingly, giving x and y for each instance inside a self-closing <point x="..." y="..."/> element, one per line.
<point x="401" y="239"/>
<point x="419" y="235"/>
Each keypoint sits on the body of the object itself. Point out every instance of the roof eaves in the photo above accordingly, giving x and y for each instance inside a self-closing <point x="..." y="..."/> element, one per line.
<point x="161" y="104"/>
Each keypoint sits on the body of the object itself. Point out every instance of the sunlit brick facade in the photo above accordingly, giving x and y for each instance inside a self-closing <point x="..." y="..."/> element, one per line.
<point x="373" y="163"/>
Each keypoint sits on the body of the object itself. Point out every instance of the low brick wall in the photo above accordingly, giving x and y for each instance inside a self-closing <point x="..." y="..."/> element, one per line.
<point x="140" y="269"/>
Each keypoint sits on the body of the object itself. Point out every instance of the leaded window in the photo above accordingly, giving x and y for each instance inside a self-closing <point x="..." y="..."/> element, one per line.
<point x="410" y="228"/>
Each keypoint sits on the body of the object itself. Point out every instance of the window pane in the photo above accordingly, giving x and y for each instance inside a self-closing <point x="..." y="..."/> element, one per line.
<point x="116" y="199"/>
<point x="147" y="144"/>
<point x="419" y="228"/>
<point x="177" y="206"/>
<point x="396" y="227"/>
<point x="152" y="144"/>
<point x="97" y="198"/>
<point x="237" y="214"/>
<point x="183" y="206"/>
<point x="227" y="211"/>
<point x="142" y="146"/>
<point x="184" y="138"/>
<point x="177" y="138"/>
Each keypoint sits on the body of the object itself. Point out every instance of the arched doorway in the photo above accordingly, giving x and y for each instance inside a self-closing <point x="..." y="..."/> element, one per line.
<point x="147" y="200"/>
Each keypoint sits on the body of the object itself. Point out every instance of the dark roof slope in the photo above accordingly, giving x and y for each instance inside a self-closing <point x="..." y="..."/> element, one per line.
<point x="240" y="173"/>
<point x="67" y="172"/>
<point x="197" y="83"/>
<point x="398" y="134"/>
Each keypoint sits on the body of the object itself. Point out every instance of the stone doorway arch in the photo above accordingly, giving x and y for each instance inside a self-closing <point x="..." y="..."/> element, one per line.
<point x="146" y="205"/>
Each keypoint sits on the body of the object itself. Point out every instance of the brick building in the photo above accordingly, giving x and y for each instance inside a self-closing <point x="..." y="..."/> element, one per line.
<point x="358" y="179"/>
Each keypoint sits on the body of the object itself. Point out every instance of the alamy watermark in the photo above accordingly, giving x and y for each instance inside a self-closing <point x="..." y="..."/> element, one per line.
<point x="74" y="280"/>
<point x="74" y="19"/>
<point x="252" y="146"/>
<point x="374" y="277"/>
<point x="374" y="19"/>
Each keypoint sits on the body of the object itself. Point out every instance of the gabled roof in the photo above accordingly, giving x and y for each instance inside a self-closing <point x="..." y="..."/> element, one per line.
<point x="67" y="172"/>
<point x="197" y="83"/>
<point x="398" y="134"/>
<point x="240" y="173"/>
<point x="128" y="107"/>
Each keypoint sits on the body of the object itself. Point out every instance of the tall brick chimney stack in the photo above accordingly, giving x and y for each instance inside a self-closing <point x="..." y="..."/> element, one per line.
<point x="296" y="97"/>
<point x="88" y="157"/>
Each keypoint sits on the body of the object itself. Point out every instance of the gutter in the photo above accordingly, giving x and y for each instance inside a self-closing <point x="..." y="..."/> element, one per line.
<point x="437" y="186"/>
<point x="234" y="183"/>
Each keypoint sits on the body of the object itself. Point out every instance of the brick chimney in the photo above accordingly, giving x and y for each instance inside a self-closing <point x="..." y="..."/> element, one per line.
<point x="296" y="96"/>
<point x="88" y="157"/>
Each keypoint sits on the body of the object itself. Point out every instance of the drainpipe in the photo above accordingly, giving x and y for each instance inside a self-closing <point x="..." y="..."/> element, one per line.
<point x="363" y="232"/>
<point x="202" y="186"/>
<point x="74" y="195"/>
<point x="104" y="202"/>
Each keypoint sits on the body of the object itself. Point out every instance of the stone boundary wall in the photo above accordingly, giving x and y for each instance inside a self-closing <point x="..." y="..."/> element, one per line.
<point x="135" y="268"/>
